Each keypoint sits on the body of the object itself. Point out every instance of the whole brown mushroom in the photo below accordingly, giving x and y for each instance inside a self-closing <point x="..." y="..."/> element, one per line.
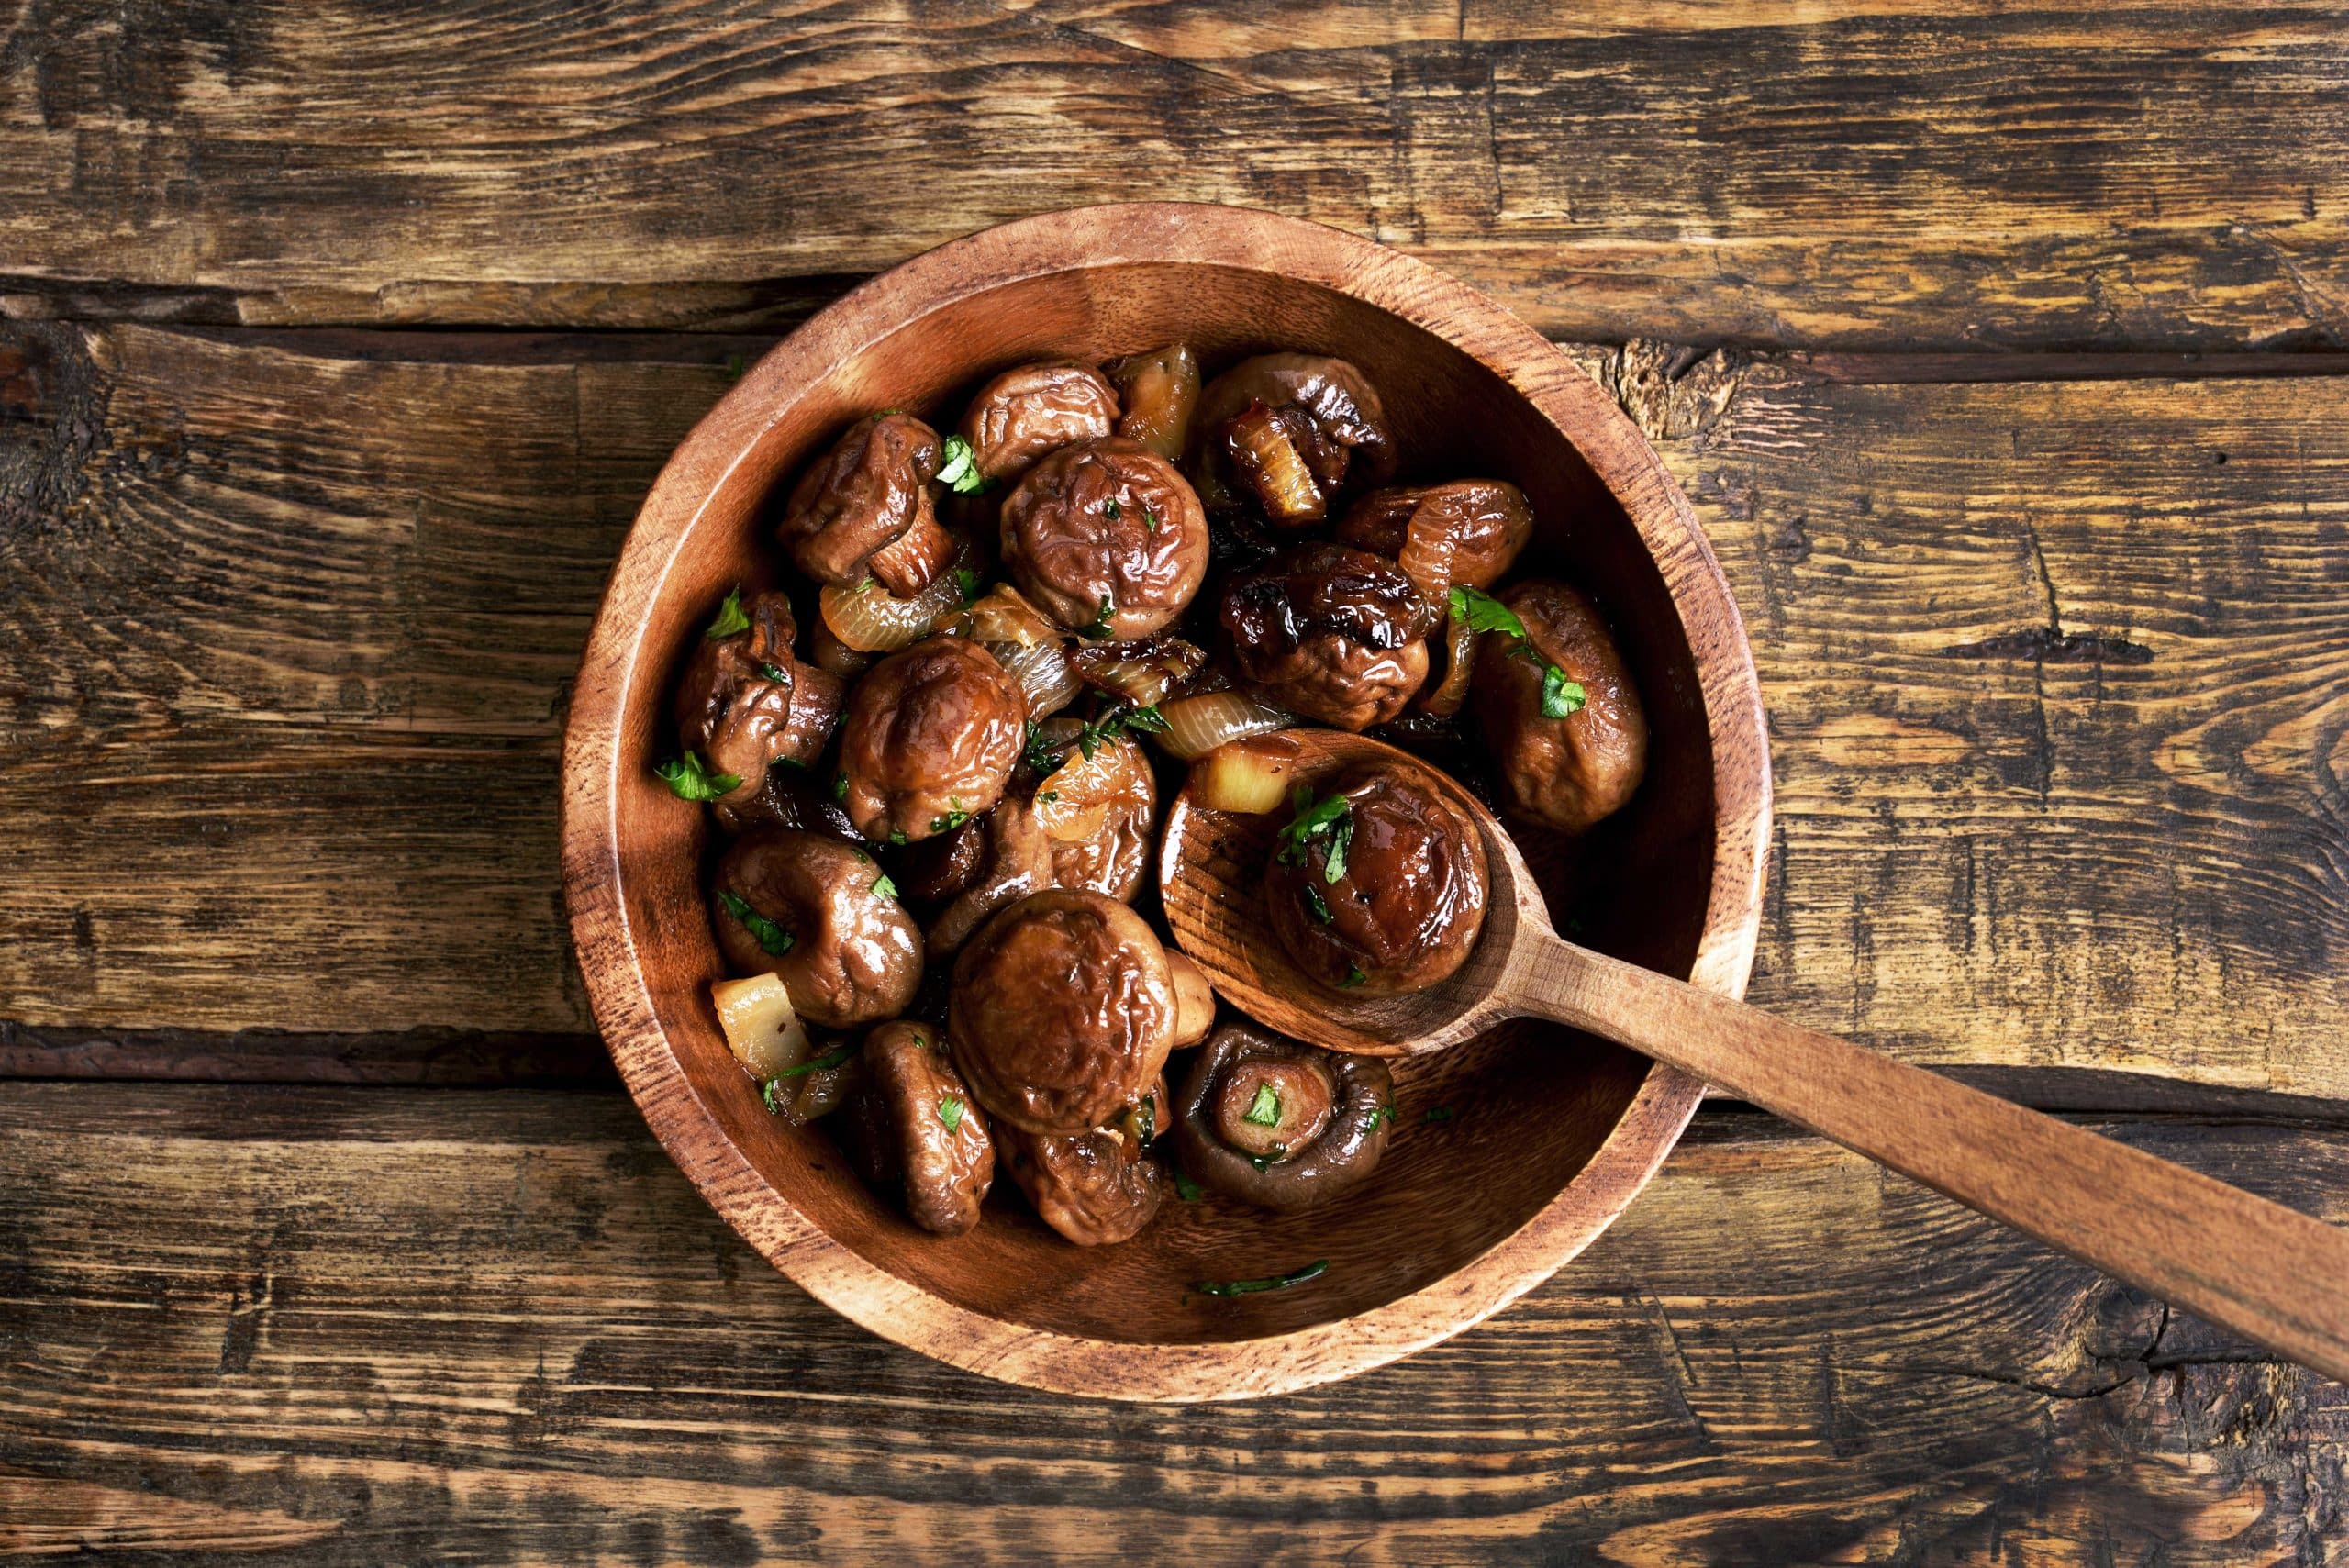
<point x="929" y="739"/>
<point x="1095" y="1187"/>
<point x="916" y="1129"/>
<point x="746" y="700"/>
<point x="1106" y="538"/>
<point x="1014" y="860"/>
<point x="1288" y="433"/>
<point x="864" y="509"/>
<point x="1063" y="1008"/>
<point x="1468" y="531"/>
<point x="1034" y="409"/>
<point x="1280" y="1124"/>
<point x="1568" y="772"/>
<point x="1330" y="632"/>
<point x="805" y="908"/>
<point x="1378" y="888"/>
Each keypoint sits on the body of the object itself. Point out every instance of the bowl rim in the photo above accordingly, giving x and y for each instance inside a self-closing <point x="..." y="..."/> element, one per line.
<point x="1083" y="238"/>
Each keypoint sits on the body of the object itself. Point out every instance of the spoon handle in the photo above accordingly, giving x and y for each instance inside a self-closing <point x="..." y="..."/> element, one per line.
<point x="2254" y="1267"/>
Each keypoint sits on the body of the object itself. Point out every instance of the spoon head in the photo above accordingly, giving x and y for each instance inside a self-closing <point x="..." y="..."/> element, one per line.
<point x="1211" y="877"/>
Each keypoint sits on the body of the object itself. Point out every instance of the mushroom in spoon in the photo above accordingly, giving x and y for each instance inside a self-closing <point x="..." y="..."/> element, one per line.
<point x="2196" y="1242"/>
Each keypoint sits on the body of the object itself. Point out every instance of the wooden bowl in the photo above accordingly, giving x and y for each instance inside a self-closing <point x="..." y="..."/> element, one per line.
<point x="1541" y="1135"/>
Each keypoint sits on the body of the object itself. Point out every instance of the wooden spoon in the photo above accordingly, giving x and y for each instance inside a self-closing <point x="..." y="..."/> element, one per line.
<point x="2249" y="1265"/>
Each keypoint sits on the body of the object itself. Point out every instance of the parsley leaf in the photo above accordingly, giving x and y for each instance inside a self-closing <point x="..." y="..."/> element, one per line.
<point x="950" y="1113"/>
<point x="772" y="939"/>
<point x="958" y="468"/>
<point x="776" y="673"/>
<point x="1099" y="630"/>
<point x="1121" y="721"/>
<point x="1381" y="1115"/>
<point x="1149" y="518"/>
<point x="1333" y="866"/>
<point x="1146" y="718"/>
<point x="688" y="780"/>
<point x="730" y="619"/>
<point x="1111" y="510"/>
<point x="1318" y="905"/>
<point x="1186" y="1189"/>
<point x="1354" y="977"/>
<point x="1439" y="1113"/>
<point x="1264" y="1111"/>
<point x="948" y="823"/>
<point x="839" y="786"/>
<point x="966" y="583"/>
<point x="823" y="1063"/>
<point x="1484" y="613"/>
<point x="897" y="836"/>
<point x="1311" y="1270"/>
<point x="883" y="887"/>
<point x="1312" y="819"/>
<point x="1561" y="698"/>
<point x="1039" y="753"/>
<point x="1048" y="796"/>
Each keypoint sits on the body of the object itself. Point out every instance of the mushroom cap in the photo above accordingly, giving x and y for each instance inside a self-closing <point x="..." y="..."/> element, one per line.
<point x="1093" y="1188"/>
<point x="855" y="955"/>
<point x="911" y="1094"/>
<point x="1344" y="410"/>
<point x="1033" y="410"/>
<point x="929" y="739"/>
<point x="1410" y="904"/>
<point x="1329" y="1123"/>
<point x="1105" y="522"/>
<point x="1488" y="521"/>
<point x="870" y="487"/>
<point x="740" y="702"/>
<point x="1563" y="772"/>
<point x="1014" y="861"/>
<point x="1063" y="1008"/>
<point x="1331" y="633"/>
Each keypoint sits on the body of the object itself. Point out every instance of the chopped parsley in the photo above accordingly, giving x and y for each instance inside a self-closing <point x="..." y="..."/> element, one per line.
<point x="1264" y="1111"/>
<point x="1311" y="1270"/>
<point x="1121" y="721"/>
<point x="775" y="673"/>
<point x="1439" y="1113"/>
<point x="1380" y="1116"/>
<point x="958" y="468"/>
<point x="1333" y="864"/>
<point x="1186" y="1189"/>
<point x="954" y="818"/>
<point x="823" y="1063"/>
<point x="950" y="1113"/>
<point x="840" y="787"/>
<point x="897" y="836"/>
<point x="1039" y="753"/>
<point x="1561" y="698"/>
<point x="966" y="583"/>
<point x="883" y="887"/>
<point x="1111" y="510"/>
<point x="1354" y="977"/>
<point x="730" y="619"/>
<point x="1484" y="613"/>
<point x="1318" y="905"/>
<point x="688" y="780"/>
<point x="1149" y="518"/>
<point x="772" y="939"/>
<point x="1048" y="796"/>
<point x="1311" y="819"/>
<point x="1099" y="630"/>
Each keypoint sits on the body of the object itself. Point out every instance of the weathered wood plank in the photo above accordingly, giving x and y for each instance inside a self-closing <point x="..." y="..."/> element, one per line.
<point x="499" y="1326"/>
<point x="281" y="692"/>
<point x="1883" y="173"/>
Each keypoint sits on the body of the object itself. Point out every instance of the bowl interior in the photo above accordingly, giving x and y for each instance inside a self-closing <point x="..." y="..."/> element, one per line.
<point x="1526" y="1104"/>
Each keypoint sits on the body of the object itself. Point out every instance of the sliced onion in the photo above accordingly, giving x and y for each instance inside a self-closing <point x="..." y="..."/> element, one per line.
<point x="1142" y="673"/>
<point x="913" y="560"/>
<point x="1043" y="671"/>
<point x="1197" y="725"/>
<point x="1266" y="455"/>
<point x="1252" y="776"/>
<point x="1444" y="701"/>
<point x="1073" y="803"/>
<point x="816" y="697"/>
<point x="872" y="620"/>
<point x="1002" y="615"/>
<point x="1429" y="543"/>
<point x="762" y="1031"/>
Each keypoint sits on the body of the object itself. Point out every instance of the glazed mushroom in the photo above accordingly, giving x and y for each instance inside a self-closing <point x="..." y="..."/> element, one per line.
<point x="864" y="509"/>
<point x="1469" y="531"/>
<point x="747" y="701"/>
<point x="917" y="1131"/>
<point x="1062" y="1008"/>
<point x="1378" y="887"/>
<point x="1100" y="813"/>
<point x="929" y="740"/>
<point x="1330" y="632"/>
<point x="1160" y="390"/>
<point x="1106" y="538"/>
<point x="1565" y="771"/>
<point x="1279" y="1124"/>
<point x="1095" y="1187"/>
<point x="1288" y="433"/>
<point x="1014" y="860"/>
<point x="1025" y="412"/>
<point x="1194" y="1003"/>
<point x="805" y="908"/>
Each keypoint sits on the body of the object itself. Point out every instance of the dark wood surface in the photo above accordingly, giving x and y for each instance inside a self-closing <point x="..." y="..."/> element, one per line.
<point x="336" y="348"/>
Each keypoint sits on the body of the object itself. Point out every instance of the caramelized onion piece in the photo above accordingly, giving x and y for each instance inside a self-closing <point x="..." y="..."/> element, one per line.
<point x="868" y="618"/>
<point x="1263" y="444"/>
<point x="1160" y="390"/>
<point x="1197" y="725"/>
<point x="1144" y="672"/>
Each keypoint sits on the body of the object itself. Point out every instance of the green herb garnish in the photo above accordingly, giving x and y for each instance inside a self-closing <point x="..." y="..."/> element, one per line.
<point x="1439" y="1113"/>
<point x="840" y="787"/>
<point x="883" y="887"/>
<point x="1311" y="816"/>
<point x="1484" y="613"/>
<point x="772" y="939"/>
<point x="730" y="619"/>
<point x="823" y="1063"/>
<point x="897" y="836"/>
<point x="1099" y="630"/>
<point x="1186" y="1189"/>
<point x="958" y="468"/>
<point x="1333" y="864"/>
<point x="1264" y="1111"/>
<point x="1380" y="1114"/>
<point x="688" y="780"/>
<point x="1111" y="726"/>
<point x="1048" y="796"/>
<point x="1265" y="1161"/>
<point x="966" y="583"/>
<point x="1354" y="977"/>
<point x="1318" y="905"/>
<point x="950" y="1113"/>
<point x="775" y="673"/>
<point x="1111" y="510"/>
<point x="1561" y="698"/>
<point x="1040" y="755"/>
<point x="1252" y="1287"/>
<point x="1149" y="518"/>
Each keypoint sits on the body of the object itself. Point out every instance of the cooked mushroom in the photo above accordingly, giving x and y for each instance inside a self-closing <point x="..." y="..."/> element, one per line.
<point x="746" y="700"/>
<point x="1106" y="538"/>
<point x="930" y="740"/>
<point x="864" y="509"/>
<point x="1570" y="771"/>
<point x="1093" y="1188"/>
<point x="1015" y="859"/>
<point x="1278" y="1123"/>
<point x="917" y="1131"/>
<point x="789" y="797"/>
<point x="941" y="866"/>
<point x="1331" y="633"/>
<point x="1288" y="433"/>
<point x="1378" y="888"/>
<point x="1469" y="531"/>
<point x="1063" y="1008"/>
<point x="1025" y="412"/>
<point x="1194" y="1003"/>
<point x="1099" y="812"/>
<point x="1160" y="390"/>
<point x="805" y="908"/>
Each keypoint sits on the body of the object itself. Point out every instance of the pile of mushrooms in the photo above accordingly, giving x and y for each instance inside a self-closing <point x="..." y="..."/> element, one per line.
<point x="939" y="743"/>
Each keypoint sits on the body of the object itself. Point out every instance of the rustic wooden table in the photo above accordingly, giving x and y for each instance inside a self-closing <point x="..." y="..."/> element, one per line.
<point x="1998" y="348"/>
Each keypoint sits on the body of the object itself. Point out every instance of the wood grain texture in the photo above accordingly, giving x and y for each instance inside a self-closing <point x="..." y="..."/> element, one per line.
<point x="409" y="526"/>
<point x="399" y="1326"/>
<point x="1876" y="173"/>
